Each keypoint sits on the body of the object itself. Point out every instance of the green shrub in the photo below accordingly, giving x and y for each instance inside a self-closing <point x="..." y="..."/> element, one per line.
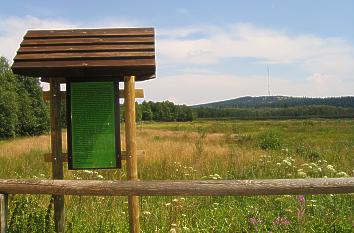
<point x="270" y="140"/>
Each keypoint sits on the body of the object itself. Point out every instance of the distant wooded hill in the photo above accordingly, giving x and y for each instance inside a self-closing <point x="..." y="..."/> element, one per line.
<point x="279" y="102"/>
<point x="268" y="107"/>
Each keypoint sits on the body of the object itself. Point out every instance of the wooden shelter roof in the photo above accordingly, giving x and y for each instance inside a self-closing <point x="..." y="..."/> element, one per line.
<point x="87" y="53"/>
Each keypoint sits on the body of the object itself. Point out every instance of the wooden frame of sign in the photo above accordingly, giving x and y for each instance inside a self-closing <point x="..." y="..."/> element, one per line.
<point x="93" y="123"/>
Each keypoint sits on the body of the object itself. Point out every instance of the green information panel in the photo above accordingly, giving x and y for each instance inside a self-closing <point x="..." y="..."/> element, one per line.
<point x="93" y="129"/>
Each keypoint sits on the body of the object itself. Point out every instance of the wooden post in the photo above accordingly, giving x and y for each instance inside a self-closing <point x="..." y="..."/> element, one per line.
<point x="56" y="145"/>
<point x="3" y="212"/>
<point x="130" y="141"/>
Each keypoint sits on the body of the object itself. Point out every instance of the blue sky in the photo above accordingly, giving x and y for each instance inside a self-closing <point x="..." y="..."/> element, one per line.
<point x="215" y="50"/>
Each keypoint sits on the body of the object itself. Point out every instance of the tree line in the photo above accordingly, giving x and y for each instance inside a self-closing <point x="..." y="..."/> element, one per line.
<point x="152" y="111"/>
<point x="163" y="111"/>
<point x="22" y="109"/>
<point x="295" y="112"/>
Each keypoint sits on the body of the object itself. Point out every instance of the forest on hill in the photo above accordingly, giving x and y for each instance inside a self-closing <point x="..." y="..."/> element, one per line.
<point x="279" y="102"/>
<point x="277" y="107"/>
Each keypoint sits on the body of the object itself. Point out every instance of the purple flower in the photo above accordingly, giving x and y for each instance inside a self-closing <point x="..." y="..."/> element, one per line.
<point x="301" y="199"/>
<point x="255" y="222"/>
<point x="281" y="221"/>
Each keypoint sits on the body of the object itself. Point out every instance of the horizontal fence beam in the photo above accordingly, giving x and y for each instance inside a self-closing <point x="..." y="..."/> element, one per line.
<point x="139" y="93"/>
<point x="179" y="188"/>
<point x="48" y="157"/>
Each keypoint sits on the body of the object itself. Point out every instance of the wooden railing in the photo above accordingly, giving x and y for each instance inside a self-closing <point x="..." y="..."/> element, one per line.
<point x="179" y="188"/>
<point x="171" y="188"/>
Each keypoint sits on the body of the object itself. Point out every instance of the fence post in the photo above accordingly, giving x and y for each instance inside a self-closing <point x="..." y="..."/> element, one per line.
<point x="56" y="146"/>
<point x="3" y="212"/>
<point x="130" y="140"/>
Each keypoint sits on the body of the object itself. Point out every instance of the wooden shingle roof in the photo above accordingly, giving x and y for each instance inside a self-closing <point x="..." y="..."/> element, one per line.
<point x="85" y="53"/>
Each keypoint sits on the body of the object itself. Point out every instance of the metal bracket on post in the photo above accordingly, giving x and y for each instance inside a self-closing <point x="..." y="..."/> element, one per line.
<point x="4" y="202"/>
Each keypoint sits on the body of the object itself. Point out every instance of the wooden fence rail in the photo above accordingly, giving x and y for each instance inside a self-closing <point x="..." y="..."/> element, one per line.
<point x="179" y="188"/>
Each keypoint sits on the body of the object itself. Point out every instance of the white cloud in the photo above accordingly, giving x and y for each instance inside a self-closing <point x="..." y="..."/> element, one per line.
<point x="312" y="53"/>
<point x="326" y="63"/>
<point x="12" y="30"/>
<point x="194" y="88"/>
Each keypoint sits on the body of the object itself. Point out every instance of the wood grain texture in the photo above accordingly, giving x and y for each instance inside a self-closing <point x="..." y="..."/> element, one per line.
<point x="85" y="53"/>
<point x="85" y="48"/>
<point x="129" y="64"/>
<point x="89" y="41"/>
<point x="180" y="188"/>
<point x="56" y="146"/>
<point x="89" y="32"/>
<point x="131" y="157"/>
<point x="139" y="93"/>
<point x="4" y="212"/>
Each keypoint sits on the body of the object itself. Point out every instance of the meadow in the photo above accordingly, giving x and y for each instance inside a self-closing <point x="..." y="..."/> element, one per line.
<point x="201" y="150"/>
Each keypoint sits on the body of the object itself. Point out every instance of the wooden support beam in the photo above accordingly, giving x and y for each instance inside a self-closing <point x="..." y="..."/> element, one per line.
<point x="48" y="157"/>
<point x="4" y="211"/>
<point x="56" y="146"/>
<point x="139" y="93"/>
<point x="180" y="188"/>
<point x="130" y="141"/>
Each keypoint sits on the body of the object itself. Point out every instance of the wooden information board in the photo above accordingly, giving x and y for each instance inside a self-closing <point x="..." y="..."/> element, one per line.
<point x="93" y="125"/>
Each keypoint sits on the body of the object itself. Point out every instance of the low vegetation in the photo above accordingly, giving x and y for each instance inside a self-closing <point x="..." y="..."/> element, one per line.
<point x="202" y="150"/>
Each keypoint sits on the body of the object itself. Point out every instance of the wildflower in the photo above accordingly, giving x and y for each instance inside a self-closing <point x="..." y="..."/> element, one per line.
<point x="281" y="221"/>
<point x="146" y="213"/>
<point x="301" y="199"/>
<point x="255" y="222"/>
<point x="301" y="174"/>
<point x="287" y="162"/>
<point x="331" y="168"/>
<point x="342" y="174"/>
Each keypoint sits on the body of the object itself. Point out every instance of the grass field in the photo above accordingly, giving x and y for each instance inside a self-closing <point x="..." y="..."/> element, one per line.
<point x="202" y="150"/>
